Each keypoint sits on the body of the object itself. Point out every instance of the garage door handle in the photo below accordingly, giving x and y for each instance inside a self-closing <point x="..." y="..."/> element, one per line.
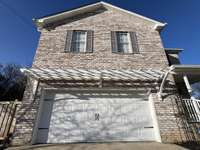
<point x="148" y="127"/>
<point x="97" y="116"/>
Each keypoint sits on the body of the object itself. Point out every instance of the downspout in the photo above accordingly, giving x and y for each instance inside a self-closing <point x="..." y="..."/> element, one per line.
<point x="189" y="88"/>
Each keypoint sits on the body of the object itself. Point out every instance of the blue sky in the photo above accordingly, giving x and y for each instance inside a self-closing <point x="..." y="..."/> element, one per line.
<point x="19" y="37"/>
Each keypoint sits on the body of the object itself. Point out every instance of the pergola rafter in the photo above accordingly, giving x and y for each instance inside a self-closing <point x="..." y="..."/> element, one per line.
<point x="96" y="75"/>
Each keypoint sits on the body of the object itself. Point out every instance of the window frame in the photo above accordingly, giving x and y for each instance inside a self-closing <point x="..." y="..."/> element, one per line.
<point x="129" y="42"/>
<point x="73" y="43"/>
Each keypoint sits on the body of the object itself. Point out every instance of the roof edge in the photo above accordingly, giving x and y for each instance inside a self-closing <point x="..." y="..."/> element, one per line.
<point x="185" y="66"/>
<point x="185" y="69"/>
<point x="173" y="50"/>
<point x="41" y="22"/>
<point x="132" y="13"/>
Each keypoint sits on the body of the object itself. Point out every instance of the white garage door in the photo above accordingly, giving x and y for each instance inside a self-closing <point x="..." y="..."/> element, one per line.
<point x="95" y="116"/>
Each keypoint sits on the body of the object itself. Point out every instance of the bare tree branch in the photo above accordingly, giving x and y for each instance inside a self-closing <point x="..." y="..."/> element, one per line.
<point x="12" y="82"/>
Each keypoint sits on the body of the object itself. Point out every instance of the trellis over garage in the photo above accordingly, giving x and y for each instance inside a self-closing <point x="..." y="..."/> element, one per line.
<point x="91" y="101"/>
<point x="128" y="77"/>
<point x="114" y="105"/>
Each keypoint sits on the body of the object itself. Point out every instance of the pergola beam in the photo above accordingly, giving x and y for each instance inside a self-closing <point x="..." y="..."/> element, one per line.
<point x="95" y="75"/>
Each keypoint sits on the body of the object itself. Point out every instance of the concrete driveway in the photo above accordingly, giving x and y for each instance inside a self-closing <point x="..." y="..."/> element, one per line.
<point x="104" y="146"/>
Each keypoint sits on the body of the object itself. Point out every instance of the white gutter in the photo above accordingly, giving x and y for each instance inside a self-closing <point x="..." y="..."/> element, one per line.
<point x="159" y="26"/>
<point x="186" y="66"/>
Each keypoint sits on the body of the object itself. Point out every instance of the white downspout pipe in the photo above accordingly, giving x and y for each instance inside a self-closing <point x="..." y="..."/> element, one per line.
<point x="189" y="88"/>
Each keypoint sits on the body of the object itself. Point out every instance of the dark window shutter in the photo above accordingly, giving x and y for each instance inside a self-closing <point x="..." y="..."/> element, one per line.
<point x="114" y="42"/>
<point x="90" y="39"/>
<point x="68" y="41"/>
<point x="134" y="42"/>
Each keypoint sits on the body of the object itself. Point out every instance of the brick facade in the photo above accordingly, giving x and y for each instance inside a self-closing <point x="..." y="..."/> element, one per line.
<point x="50" y="54"/>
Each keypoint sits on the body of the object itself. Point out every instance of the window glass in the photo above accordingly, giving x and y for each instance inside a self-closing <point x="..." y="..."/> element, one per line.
<point x="79" y="41"/>
<point x="123" y="42"/>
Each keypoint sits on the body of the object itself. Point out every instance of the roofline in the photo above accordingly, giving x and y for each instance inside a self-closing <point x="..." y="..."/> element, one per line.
<point x="70" y="9"/>
<point x="48" y="19"/>
<point x="185" y="69"/>
<point x="185" y="66"/>
<point x="132" y="13"/>
<point x="173" y="50"/>
<point x="74" y="10"/>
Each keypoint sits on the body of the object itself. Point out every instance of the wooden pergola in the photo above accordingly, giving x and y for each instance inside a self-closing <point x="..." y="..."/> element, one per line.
<point x="98" y="75"/>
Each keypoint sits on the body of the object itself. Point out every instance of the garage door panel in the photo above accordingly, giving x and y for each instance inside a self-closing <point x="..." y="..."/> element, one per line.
<point x="92" y="116"/>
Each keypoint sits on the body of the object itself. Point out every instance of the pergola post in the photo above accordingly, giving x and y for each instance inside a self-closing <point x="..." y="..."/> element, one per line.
<point x="162" y="84"/>
<point x="188" y="86"/>
<point x="101" y="80"/>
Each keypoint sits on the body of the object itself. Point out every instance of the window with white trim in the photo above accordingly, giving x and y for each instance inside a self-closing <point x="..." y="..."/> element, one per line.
<point x="79" y="41"/>
<point x="124" y="42"/>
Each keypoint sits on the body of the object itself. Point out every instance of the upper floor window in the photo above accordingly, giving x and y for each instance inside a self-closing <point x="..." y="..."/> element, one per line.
<point x="79" y="41"/>
<point x="124" y="42"/>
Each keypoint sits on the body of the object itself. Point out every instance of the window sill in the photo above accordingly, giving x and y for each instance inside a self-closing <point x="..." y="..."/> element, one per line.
<point x="120" y="53"/>
<point x="77" y="52"/>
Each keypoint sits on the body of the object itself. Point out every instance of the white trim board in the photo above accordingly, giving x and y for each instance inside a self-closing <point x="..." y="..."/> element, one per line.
<point x="49" y="19"/>
<point x="155" y="120"/>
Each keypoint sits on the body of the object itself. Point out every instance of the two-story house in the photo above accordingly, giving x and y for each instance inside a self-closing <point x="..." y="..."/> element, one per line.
<point x="100" y="74"/>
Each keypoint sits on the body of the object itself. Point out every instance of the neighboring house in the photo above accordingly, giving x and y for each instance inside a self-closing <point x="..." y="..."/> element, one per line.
<point x="98" y="76"/>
